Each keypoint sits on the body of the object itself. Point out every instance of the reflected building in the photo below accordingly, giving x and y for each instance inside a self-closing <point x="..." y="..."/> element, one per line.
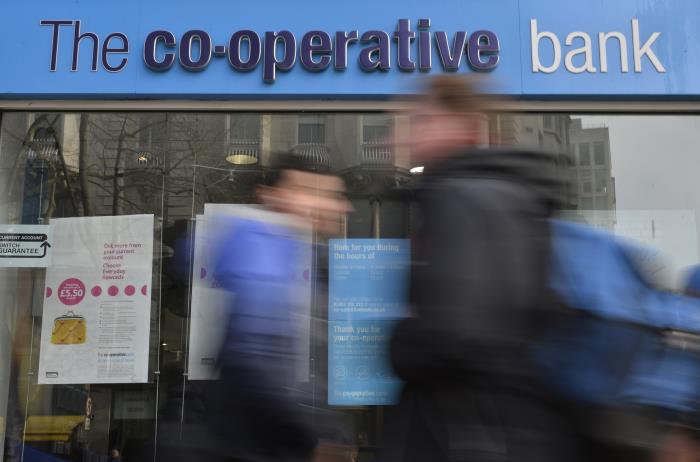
<point x="592" y="169"/>
<point x="548" y="132"/>
<point x="361" y="149"/>
<point x="543" y="132"/>
<point x="130" y="163"/>
<point x="584" y="153"/>
<point x="123" y="163"/>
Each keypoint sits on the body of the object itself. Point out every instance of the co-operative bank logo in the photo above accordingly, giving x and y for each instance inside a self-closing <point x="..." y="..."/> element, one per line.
<point x="317" y="50"/>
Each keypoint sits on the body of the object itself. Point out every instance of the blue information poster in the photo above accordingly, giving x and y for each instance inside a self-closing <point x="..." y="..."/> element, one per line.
<point x="368" y="286"/>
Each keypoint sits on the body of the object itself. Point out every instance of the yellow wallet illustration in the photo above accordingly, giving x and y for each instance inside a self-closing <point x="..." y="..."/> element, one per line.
<point x="70" y="329"/>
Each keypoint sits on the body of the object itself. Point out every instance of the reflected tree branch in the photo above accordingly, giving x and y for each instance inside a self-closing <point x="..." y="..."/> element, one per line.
<point x="26" y="142"/>
<point x="66" y="177"/>
<point x="83" y="167"/>
<point x="115" y="180"/>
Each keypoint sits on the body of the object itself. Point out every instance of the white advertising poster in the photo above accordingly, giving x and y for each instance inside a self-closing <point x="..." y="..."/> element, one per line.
<point x="97" y="305"/>
<point x="208" y="312"/>
<point x="210" y="304"/>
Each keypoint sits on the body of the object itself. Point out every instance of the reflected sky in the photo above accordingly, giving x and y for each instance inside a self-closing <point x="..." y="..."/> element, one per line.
<point x="655" y="163"/>
<point x="655" y="160"/>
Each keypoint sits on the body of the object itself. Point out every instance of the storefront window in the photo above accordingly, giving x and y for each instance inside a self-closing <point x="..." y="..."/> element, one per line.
<point x="584" y="154"/>
<point x="642" y="180"/>
<point x="601" y="184"/>
<point x="168" y="165"/>
<point x="599" y="152"/>
<point x="312" y="129"/>
<point x="171" y="166"/>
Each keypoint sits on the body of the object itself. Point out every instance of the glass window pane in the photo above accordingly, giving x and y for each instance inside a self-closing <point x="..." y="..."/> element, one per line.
<point x="312" y="129"/>
<point x="642" y="180"/>
<point x="548" y="122"/>
<point x="599" y="152"/>
<point x="584" y="154"/>
<point x="174" y="165"/>
<point x="245" y="126"/>
<point x="601" y="184"/>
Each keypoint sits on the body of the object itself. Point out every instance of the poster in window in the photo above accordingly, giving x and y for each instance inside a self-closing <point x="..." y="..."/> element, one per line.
<point x="367" y="296"/>
<point x="97" y="302"/>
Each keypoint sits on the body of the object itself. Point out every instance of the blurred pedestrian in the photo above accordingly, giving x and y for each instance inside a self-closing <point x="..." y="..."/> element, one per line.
<point x="479" y="286"/>
<point x="254" y="413"/>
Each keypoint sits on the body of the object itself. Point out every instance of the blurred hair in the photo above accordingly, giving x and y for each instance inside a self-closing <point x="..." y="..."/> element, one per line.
<point x="289" y="160"/>
<point x="460" y="94"/>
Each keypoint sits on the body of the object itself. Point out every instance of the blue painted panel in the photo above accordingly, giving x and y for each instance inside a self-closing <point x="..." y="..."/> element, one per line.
<point x="26" y="47"/>
<point x="677" y="47"/>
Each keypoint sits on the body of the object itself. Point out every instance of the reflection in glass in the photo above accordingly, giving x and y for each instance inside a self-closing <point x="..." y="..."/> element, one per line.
<point x="634" y="175"/>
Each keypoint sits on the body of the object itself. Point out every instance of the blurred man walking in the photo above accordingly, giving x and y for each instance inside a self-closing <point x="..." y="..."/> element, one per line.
<point x="478" y="286"/>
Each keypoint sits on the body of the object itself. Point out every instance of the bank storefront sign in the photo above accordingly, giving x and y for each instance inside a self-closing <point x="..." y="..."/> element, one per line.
<point x="367" y="48"/>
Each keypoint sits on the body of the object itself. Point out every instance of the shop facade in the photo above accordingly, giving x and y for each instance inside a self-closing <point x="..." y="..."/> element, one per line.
<point x="143" y="115"/>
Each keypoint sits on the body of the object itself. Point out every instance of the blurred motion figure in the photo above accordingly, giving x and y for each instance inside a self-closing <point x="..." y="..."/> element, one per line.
<point x="478" y="287"/>
<point x="261" y="419"/>
<point x="254" y="412"/>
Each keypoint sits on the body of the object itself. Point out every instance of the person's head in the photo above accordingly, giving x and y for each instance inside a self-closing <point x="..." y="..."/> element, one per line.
<point x="299" y="187"/>
<point x="447" y="118"/>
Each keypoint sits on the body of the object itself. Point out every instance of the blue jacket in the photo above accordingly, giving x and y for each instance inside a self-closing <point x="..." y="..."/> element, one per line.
<point x="614" y="353"/>
<point x="254" y="409"/>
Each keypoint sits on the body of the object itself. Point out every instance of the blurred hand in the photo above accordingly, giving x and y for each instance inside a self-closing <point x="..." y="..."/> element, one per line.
<point x="678" y="446"/>
<point x="331" y="452"/>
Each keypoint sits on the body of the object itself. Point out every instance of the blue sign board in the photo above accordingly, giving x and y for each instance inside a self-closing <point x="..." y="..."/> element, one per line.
<point x="367" y="295"/>
<point x="283" y="49"/>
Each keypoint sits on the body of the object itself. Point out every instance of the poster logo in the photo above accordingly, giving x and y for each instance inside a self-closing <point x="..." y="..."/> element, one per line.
<point x="71" y="291"/>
